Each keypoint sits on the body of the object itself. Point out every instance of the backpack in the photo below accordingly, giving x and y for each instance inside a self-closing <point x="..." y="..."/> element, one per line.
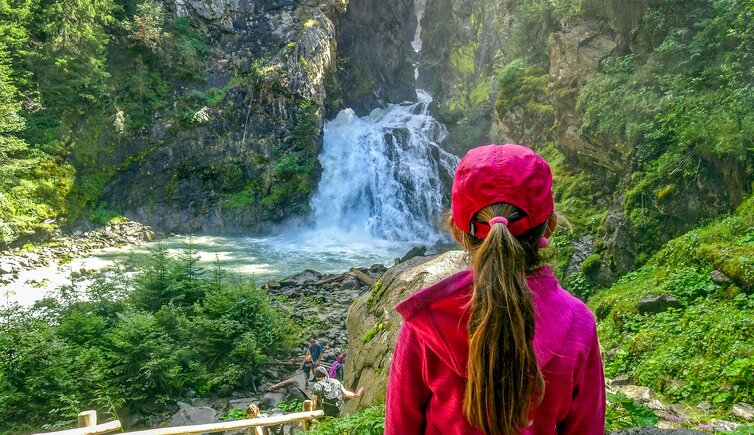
<point x="339" y="373"/>
<point x="331" y="390"/>
<point x="334" y="369"/>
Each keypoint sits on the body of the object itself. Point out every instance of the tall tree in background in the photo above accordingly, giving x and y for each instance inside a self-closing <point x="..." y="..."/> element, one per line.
<point x="70" y="64"/>
<point x="13" y="150"/>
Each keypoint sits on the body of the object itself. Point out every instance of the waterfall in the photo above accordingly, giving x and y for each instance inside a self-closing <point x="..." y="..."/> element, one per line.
<point x="384" y="175"/>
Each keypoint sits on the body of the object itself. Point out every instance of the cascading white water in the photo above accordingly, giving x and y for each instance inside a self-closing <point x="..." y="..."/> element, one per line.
<point x="385" y="174"/>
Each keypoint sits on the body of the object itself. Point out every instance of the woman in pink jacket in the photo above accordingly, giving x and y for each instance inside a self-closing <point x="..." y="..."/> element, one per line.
<point x="500" y="348"/>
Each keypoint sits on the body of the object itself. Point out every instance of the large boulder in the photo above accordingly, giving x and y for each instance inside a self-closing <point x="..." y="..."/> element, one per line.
<point x="658" y="303"/>
<point x="190" y="415"/>
<point x="307" y="276"/>
<point x="373" y="323"/>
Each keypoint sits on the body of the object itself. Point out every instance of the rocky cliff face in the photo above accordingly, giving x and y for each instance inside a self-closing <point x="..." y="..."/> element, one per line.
<point x="243" y="153"/>
<point x="375" y="57"/>
<point x="373" y="323"/>
<point x="249" y="156"/>
<point x="557" y="74"/>
<point x="461" y="45"/>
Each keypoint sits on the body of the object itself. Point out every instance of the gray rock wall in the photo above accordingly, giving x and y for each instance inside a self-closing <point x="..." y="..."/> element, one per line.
<point x="373" y="323"/>
<point x="375" y="57"/>
<point x="275" y="61"/>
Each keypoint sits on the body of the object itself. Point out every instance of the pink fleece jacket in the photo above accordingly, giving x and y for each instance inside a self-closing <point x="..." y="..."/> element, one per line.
<point x="428" y="375"/>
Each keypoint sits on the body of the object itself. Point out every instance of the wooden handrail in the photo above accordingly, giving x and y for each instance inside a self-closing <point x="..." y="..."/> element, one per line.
<point x="109" y="427"/>
<point x="87" y="421"/>
<point x="233" y="425"/>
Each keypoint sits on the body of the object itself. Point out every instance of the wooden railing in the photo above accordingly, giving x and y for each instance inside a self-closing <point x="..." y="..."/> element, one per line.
<point x="87" y="422"/>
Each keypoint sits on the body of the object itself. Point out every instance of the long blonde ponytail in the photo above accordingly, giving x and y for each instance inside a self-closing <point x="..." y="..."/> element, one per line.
<point x="504" y="380"/>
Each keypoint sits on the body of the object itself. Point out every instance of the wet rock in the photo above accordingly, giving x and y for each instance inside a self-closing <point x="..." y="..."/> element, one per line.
<point x="621" y="380"/>
<point x="304" y="277"/>
<point x="297" y="394"/>
<point x="6" y="268"/>
<point x="241" y="403"/>
<point x="685" y="411"/>
<point x="416" y="251"/>
<point x="719" y="277"/>
<point x="656" y="405"/>
<point x="350" y="283"/>
<point x="269" y="400"/>
<point x="582" y="249"/>
<point x="189" y="415"/>
<point x="658" y="304"/>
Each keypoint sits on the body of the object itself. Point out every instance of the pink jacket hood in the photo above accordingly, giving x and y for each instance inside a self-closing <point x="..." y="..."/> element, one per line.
<point x="443" y="327"/>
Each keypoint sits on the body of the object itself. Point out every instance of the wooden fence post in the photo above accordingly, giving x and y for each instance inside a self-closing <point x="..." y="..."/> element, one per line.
<point x="306" y="423"/>
<point x="87" y="418"/>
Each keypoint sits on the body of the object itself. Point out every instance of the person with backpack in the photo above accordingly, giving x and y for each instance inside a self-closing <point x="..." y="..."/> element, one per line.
<point x="315" y="349"/>
<point x="328" y="393"/>
<point x="307" y="367"/>
<point x="500" y="348"/>
<point x="336" y="370"/>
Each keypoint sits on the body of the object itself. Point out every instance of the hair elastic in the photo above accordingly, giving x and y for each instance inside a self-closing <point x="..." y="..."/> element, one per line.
<point x="498" y="219"/>
<point x="542" y="242"/>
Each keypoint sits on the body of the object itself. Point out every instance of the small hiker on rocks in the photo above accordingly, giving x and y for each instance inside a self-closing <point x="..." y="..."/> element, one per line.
<point x="315" y="350"/>
<point x="328" y="394"/>
<point x="307" y="367"/>
<point x="336" y="370"/>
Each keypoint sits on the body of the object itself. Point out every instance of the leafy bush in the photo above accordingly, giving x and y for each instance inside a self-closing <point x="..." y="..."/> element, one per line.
<point x="234" y="414"/>
<point x="294" y="405"/>
<point x="103" y="216"/>
<point x="623" y="413"/>
<point x="367" y="421"/>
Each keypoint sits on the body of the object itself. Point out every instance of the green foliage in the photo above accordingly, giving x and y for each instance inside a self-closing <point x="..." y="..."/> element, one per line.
<point x="367" y="421"/>
<point x="292" y="181"/>
<point x="369" y="335"/>
<point x="376" y="294"/>
<point x="306" y="131"/>
<point x="111" y="346"/>
<point x="244" y="198"/>
<point x="70" y="68"/>
<point x="523" y="98"/>
<point x="624" y="413"/>
<point x="705" y="350"/>
<point x="294" y="405"/>
<point x="89" y="72"/>
<point x="742" y="430"/>
<point x="234" y="414"/>
<point x="103" y="216"/>
<point x="531" y="21"/>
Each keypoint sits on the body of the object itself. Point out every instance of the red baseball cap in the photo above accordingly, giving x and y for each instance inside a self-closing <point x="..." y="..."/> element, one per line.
<point x="507" y="173"/>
